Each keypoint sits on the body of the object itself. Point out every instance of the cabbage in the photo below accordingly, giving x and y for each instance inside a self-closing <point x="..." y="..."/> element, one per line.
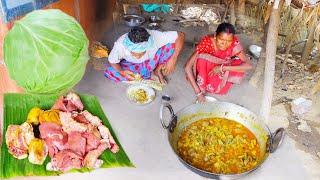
<point x="46" y="52"/>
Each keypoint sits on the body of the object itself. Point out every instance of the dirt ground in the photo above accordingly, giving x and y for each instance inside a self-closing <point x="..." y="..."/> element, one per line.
<point x="297" y="81"/>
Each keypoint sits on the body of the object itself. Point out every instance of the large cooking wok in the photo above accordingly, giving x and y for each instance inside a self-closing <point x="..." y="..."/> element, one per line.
<point x="268" y="141"/>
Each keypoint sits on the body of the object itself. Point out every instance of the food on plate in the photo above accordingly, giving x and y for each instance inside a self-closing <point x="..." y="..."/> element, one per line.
<point x="154" y="84"/>
<point x="50" y="116"/>
<point x="38" y="151"/>
<point x="71" y="136"/>
<point x="151" y="83"/>
<point x="139" y="96"/>
<point x="219" y="145"/>
<point x="18" y="138"/>
<point x="33" y="116"/>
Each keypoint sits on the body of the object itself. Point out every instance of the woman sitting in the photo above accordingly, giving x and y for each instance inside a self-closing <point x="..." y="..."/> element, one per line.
<point x="141" y="52"/>
<point x="217" y="63"/>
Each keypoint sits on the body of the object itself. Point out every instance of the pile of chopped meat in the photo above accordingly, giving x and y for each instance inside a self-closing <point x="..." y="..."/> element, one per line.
<point x="74" y="138"/>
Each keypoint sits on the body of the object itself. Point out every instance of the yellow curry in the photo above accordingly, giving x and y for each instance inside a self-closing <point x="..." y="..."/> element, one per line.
<point x="220" y="146"/>
<point x="139" y="96"/>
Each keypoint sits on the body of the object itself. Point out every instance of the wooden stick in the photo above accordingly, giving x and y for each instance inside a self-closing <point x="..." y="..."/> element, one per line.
<point x="226" y="11"/>
<point x="271" y="48"/>
<point x="232" y="13"/>
<point x="285" y="60"/>
<point x="258" y="72"/>
<point x="309" y="44"/>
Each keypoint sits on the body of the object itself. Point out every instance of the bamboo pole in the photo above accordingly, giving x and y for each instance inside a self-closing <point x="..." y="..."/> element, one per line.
<point x="258" y="72"/>
<point x="271" y="48"/>
<point x="226" y="11"/>
<point x="309" y="44"/>
<point x="241" y="20"/>
<point x="232" y="13"/>
<point x="241" y="7"/>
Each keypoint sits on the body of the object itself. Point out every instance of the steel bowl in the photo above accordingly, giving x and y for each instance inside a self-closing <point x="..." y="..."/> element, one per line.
<point x="255" y="50"/>
<point x="133" y="20"/>
<point x="155" y="19"/>
<point x="154" y="26"/>
<point x="268" y="141"/>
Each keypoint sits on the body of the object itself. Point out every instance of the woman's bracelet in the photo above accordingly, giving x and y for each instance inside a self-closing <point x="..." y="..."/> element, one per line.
<point x="199" y="94"/>
<point x="221" y="68"/>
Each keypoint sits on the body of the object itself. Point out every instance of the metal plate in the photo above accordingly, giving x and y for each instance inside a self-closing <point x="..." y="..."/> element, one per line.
<point x="149" y="91"/>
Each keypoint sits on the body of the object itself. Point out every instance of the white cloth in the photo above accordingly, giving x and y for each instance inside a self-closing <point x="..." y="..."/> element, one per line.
<point x="119" y="51"/>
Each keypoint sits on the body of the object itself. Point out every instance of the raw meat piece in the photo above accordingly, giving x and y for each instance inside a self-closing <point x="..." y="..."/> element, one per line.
<point x="69" y="124"/>
<point x="107" y="137"/>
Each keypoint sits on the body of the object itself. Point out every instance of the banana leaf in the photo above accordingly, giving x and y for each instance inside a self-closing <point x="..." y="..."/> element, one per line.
<point x="16" y="108"/>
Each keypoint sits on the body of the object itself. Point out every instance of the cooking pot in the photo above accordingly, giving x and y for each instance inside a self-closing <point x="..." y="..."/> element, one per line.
<point x="268" y="142"/>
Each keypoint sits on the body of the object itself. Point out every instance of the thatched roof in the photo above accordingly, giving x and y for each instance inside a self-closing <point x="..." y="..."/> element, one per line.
<point x="305" y="3"/>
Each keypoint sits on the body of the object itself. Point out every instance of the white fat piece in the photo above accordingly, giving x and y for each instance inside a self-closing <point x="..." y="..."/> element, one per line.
<point x="104" y="132"/>
<point x="69" y="124"/>
<point x="75" y="99"/>
<point x="50" y="167"/>
<point x="94" y="120"/>
<point x="98" y="164"/>
<point x="27" y="132"/>
<point x="107" y="137"/>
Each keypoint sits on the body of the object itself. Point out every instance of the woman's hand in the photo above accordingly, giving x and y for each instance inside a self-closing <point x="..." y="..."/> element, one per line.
<point x="159" y="74"/>
<point x="169" y="67"/>
<point x="201" y="98"/>
<point x="215" y="70"/>
<point x="128" y="74"/>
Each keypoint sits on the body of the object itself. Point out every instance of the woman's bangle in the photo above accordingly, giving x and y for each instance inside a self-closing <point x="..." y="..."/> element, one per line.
<point x="199" y="94"/>
<point x="221" y="68"/>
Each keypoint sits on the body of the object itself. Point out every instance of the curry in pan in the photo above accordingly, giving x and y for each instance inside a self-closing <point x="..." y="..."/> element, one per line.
<point x="219" y="146"/>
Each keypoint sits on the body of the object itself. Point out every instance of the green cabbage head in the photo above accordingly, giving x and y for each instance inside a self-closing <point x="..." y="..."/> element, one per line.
<point x="46" y="52"/>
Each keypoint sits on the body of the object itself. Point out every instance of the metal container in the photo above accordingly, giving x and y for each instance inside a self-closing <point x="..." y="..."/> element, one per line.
<point x="133" y="20"/>
<point x="153" y="26"/>
<point x="155" y="19"/>
<point x="268" y="141"/>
